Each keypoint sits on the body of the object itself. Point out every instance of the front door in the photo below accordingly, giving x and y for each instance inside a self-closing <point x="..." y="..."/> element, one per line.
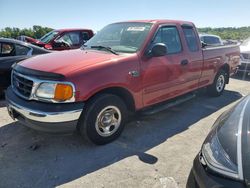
<point x="163" y="77"/>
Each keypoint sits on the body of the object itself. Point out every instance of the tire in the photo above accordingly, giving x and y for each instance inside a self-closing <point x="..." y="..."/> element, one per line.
<point x="218" y="86"/>
<point x="103" y="119"/>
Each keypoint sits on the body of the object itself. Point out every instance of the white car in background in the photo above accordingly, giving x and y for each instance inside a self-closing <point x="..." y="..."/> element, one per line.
<point x="244" y="66"/>
<point x="211" y="40"/>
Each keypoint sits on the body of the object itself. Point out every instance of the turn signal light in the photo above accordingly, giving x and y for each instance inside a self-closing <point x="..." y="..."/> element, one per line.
<point x="63" y="92"/>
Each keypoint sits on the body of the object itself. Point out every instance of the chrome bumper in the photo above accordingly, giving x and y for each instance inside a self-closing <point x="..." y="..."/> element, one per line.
<point x="48" y="117"/>
<point x="41" y="116"/>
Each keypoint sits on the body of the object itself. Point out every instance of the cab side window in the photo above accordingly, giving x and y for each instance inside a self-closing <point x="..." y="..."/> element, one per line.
<point x="7" y="49"/>
<point x="170" y="37"/>
<point x="70" y="38"/>
<point x="191" y="39"/>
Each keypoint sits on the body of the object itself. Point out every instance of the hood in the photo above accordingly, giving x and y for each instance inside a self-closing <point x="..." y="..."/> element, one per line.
<point x="67" y="62"/>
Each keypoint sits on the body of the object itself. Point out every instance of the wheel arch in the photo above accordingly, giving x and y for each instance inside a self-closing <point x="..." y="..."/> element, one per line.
<point x="225" y="67"/>
<point x="121" y="92"/>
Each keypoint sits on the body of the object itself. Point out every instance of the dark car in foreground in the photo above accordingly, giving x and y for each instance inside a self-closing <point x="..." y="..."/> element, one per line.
<point x="224" y="159"/>
<point x="13" y="51"/>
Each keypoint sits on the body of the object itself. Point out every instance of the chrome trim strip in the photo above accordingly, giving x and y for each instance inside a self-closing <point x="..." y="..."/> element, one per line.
<point x="48" y="117"/>
<point x="36" y="83"/>
<point x="239" y="141"/>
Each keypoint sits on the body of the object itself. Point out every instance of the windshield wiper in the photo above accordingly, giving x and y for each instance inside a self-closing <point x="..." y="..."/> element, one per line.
<point x="106" y="48"/>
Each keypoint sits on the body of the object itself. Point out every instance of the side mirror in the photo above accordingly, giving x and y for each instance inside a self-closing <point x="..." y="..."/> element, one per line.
<point x="203" y="44"/>
<point x="159" y="49"/>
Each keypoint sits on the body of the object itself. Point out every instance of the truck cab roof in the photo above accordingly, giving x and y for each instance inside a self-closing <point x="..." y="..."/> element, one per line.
<point x="161" y="21"/>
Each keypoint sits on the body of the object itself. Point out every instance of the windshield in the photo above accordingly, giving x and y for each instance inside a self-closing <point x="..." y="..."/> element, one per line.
<point x="246" y="42"/>
<point x="121" y="37"/>
<point x="49" y="36"/>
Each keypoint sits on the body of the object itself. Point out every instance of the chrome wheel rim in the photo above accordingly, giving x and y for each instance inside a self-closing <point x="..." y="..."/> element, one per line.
<point x="220" y="83"/>
<point x="108" y="121"/>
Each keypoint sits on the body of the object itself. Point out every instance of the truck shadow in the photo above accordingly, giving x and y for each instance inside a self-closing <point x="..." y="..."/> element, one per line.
<point x="32" y="159"/>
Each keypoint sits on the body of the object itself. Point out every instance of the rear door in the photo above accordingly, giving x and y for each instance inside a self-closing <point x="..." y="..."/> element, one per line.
<point x="194" y="59"/>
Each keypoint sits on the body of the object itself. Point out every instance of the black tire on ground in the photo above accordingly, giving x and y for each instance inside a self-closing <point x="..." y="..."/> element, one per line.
<point x="218" y="86"/>
<point x="103" y="119"/>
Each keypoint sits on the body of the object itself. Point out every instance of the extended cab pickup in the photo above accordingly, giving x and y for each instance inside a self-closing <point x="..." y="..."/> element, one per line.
<point x="125" y="67"/>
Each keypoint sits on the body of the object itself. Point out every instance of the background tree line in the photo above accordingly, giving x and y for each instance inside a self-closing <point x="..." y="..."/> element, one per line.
<point x="37" y="31"/>
<point x="233" y="33"/>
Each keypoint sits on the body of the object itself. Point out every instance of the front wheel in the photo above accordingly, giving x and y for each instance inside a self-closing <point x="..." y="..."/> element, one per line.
<point x="103" y="120"/>
<point x="218" y="86"/>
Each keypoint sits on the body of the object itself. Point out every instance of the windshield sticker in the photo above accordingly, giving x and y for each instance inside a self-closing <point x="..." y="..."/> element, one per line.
<point x="136" y="29"/>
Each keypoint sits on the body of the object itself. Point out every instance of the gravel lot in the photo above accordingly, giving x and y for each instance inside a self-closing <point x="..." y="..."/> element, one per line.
<point x="153" y="151"/>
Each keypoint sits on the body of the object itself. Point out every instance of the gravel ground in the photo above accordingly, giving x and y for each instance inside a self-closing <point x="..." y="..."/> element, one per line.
<point x="153" y="151"/>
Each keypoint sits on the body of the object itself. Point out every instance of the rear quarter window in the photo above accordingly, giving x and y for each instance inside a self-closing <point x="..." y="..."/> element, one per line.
<point x="191" y="39"/>
<point x="22" y="50"/>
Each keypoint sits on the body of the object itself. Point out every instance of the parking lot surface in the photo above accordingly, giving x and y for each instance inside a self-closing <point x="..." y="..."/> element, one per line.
<point x="153" y="151"/>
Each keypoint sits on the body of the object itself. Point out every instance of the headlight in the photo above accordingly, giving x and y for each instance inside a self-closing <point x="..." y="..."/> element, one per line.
<point x="218" y="160"/>
<point x="55" y="91"/>
<point x="222" y="149"/>
<point x="46" y="90"/>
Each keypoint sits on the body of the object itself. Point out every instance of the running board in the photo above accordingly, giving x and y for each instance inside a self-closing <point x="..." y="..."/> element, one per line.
<point x="161" y="107"/>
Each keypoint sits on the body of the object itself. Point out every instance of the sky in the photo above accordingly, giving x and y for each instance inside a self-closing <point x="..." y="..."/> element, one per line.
<point x="95" y="14"/>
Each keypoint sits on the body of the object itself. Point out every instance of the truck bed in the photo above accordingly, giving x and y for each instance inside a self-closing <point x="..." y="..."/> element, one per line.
<point x="217" y="55"/>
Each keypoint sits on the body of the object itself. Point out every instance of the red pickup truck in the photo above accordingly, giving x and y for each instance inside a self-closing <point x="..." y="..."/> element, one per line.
<point x="124" y="68"/>
<point x="61" y="39"/>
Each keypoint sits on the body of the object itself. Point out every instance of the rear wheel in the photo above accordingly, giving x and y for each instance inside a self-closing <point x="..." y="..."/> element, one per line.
<point x="103" y="120"/>
<point x="218" y="86"/>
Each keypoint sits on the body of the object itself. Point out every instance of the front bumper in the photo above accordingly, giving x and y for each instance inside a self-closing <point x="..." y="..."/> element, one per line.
<point x="49" y="117"/>
<point x="200" y="177"/>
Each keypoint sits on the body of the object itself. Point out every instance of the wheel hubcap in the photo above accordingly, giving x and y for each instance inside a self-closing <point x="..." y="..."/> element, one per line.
<point x="220" y="83"/>
<point x="108" y="121"/>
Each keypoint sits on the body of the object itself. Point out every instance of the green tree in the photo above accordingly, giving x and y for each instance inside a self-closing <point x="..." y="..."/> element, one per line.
<point x="35" y="32"/>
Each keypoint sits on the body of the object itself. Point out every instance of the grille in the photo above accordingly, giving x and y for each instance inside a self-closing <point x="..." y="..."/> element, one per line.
<point x="21" y="85"/>
<point x="246" y="56"/>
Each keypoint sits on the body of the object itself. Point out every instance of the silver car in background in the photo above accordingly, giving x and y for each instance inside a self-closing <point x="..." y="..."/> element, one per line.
<point x="211" y="40"/>
<point x="244" y="66"/>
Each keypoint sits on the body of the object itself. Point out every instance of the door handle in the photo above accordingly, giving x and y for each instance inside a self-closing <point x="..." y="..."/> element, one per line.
<point x="134" y="73"/>
<point x="184" y="62"/>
